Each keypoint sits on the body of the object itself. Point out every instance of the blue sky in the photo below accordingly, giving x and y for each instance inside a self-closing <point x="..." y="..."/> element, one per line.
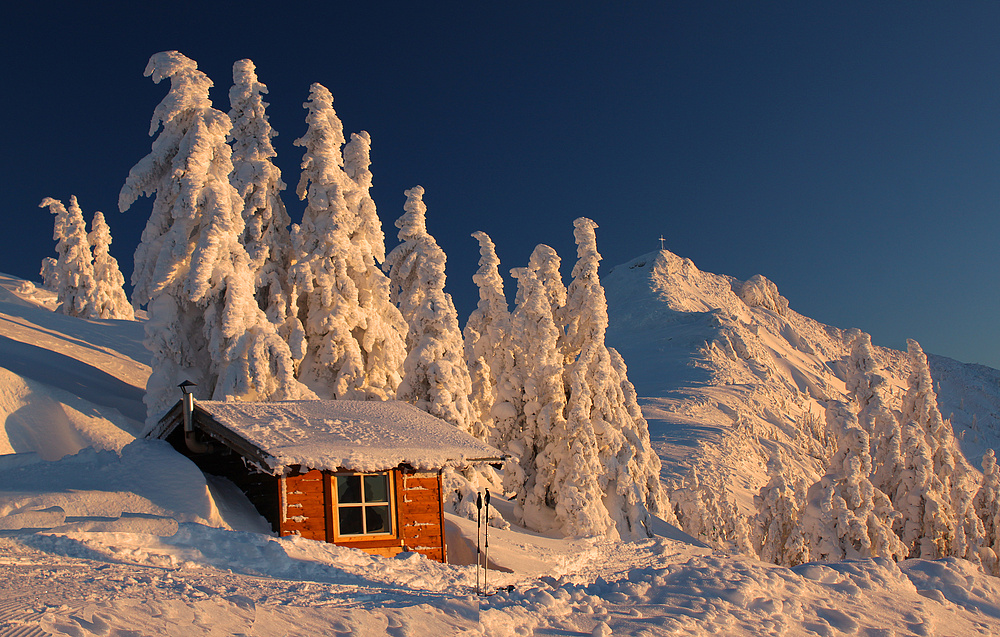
<point x="848" y="151"/>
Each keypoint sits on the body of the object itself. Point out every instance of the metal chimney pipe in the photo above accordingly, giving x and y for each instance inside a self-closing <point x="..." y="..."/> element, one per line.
<point x="187" y="412"/>
<point x="188" y="406"/>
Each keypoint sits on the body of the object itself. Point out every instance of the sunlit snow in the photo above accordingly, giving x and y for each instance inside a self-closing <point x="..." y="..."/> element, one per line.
<point x="103" y="534"/>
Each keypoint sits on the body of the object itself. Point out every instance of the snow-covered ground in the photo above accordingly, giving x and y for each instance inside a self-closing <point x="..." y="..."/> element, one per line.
<point x="102" y="534"/>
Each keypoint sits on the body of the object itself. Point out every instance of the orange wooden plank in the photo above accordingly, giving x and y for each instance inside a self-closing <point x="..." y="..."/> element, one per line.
<point x="432" y="554"/>
<point x="312" y="476"/>
<point x="308" y="503"/>
<point x="328" y="499"/>
<point x="425" y="495"/>
<point x="307" y="532"/>
<point x="306" y="523"/>
<point x="417" y="484"/>
<point x="305" y="490"/>
<point x="432" y="517"/>
<point x="412" y="534"/>
<point x="420" y="497"/>
<point x="360" y="544"/>
<point x="417" y="508"/>
<point x="390" y="551"/>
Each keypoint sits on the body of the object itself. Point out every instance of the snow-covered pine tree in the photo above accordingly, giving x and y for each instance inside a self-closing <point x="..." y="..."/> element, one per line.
<point x="870" y="390"/>
<point x="75" y="266"/>
<point x="354" y="335"/>
<point x="959" y="479"/>
<point x="695" y="508"/>
<point x="191" y="270"/>
<point x="987" y="505"/>
<point x="920" y="406"/>
<point x="609" y="450"/>
<point x="508" y="407"/>
<point x="258" y="181"/>
<point x="50" y="274"/>
<point x="777" y="534"/>
<point x="357" y="165"/>
<point x="847" y="517"/>
<point x="539" y="443"/>
<point x="861" y="365"/>
<point x="110" y="300"/>
<point x="705" y="509"/>
<point x="927" y="522"/>
<point x="435" y="377"/>
<point x="486" y="335"/>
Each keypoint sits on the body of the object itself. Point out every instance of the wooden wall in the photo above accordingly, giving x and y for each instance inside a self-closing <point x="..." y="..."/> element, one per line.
<point x="304" y="505"/>
<point x="307" y="507"/>
<point x="420" y="513"/>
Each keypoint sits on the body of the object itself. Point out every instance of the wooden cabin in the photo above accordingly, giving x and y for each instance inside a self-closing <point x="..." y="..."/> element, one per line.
<point x="361" y="474"/>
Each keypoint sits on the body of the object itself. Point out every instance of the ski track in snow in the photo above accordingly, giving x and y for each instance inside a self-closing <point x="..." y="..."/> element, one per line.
<point x="50" y="585"/>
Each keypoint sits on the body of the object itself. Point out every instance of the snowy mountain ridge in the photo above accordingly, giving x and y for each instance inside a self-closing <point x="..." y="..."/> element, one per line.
<point x="729" y="371"/>
<point x="130" y="538"/>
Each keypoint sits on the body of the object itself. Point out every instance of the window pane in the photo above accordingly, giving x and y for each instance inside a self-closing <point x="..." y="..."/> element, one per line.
<point x="350" y="521"/>
<point x="377" y="488"/>
<point x="377" y="519"/>
<point x="349" y="489"/>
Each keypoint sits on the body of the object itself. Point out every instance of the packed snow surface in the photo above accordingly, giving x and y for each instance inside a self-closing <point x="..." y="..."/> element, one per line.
<point x="102" y="534"/>
<point x="359" y="435"/>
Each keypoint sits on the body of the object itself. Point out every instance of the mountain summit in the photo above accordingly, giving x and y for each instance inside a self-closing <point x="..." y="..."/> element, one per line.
<point x="730" y="373"/>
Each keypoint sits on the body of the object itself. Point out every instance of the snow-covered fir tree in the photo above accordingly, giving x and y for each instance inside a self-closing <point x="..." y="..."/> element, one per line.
<point x="258" y="181"/>
<point x="776" y="529"/>
<point x="926" y="525"/>
<point x="486" y="334"/>
<point x="191" y="271"/>
<point x="508" y="407"/>
<point x="870" y="390"/>
<point x="987" y="503"/>
<point x="695" y="507"/>
<point x="538" y="442"/>
<point x="861" y="365"/>
<point x="353" y="334"/>
<point x="110" y="300"/>
<point x="75" y="285"/>
<point x="357" y="165"/>
<point x="846" y="516"/>
<point x="435" y="376"/>
<point x="705" y="509"/>
<point x="50" y="273"/>
<point x="920" y="406"/>
<point x="643" y="467"/>
<point x="609" y="477"/>
<point x="960" y="481"/>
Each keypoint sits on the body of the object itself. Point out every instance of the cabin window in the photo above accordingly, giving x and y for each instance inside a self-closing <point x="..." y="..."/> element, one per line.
<point x="364" y="504"/>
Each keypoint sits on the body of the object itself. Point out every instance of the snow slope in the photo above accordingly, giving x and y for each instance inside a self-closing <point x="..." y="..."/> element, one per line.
<point x="729" y="372"/>
<point x="63" y="377"/>
<point x="101" y="534"/>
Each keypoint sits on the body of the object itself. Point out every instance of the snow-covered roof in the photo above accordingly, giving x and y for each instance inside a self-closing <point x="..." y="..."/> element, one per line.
<point x="336" y="434"/>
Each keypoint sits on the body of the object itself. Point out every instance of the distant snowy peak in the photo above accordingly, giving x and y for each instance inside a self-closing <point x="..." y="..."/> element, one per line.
<point x="663" y="307"/>
<point x="676" y="281"/>
<point x="679" y="283"/>
<point x="725" y="365"/>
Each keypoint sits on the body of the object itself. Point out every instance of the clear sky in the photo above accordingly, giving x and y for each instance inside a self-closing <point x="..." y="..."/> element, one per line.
<point x="849" y="151"/>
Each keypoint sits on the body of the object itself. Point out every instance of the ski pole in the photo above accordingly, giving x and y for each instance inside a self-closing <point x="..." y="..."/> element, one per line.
<point x="486" y="533"/>
<point x="479" y="517"/>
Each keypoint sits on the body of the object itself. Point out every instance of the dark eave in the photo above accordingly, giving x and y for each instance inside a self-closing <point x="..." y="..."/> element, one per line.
<point x="208" y="427"/>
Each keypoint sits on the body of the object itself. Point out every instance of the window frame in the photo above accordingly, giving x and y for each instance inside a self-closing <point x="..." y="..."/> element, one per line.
<point x="336" y="505"/>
